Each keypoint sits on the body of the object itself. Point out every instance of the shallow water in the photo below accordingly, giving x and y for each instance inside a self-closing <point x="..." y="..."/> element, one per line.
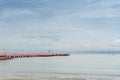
<point x="82" y="64"/>
<point x="58" y="77"/>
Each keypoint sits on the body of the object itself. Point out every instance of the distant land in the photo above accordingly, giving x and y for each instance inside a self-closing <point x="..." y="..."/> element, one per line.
<point x="97" y="52"/>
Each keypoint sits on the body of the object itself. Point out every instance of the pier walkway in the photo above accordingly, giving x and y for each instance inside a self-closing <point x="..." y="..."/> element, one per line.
<point x="19" y="55"/>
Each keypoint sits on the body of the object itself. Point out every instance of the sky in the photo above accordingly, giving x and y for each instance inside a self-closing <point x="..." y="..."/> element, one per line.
<point x="60" y="24"/>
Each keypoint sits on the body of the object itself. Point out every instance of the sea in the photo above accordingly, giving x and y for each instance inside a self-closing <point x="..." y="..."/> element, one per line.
<point x="74" y="67"/>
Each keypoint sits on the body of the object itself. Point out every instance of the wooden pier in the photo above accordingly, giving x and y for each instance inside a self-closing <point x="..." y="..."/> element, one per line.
<point x="19" y="55"/>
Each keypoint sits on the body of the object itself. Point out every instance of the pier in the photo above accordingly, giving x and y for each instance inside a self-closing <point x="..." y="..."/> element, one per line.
<point x="21" y="55"/>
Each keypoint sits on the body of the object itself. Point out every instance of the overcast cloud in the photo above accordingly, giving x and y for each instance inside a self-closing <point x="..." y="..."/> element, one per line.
<point x="60" y="24"/>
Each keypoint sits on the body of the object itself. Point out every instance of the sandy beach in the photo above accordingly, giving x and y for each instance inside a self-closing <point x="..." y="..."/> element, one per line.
<point x="59" y="77"/>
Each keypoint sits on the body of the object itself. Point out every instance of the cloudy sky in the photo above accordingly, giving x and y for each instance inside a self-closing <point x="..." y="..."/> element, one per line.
<point x="60" y="24"/>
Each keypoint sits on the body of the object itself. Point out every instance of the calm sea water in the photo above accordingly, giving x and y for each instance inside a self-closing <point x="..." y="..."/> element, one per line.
<point x="106" y="64"/>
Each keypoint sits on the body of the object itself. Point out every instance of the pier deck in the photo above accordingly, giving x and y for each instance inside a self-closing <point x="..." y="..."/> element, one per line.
<point x="18" y="55"/>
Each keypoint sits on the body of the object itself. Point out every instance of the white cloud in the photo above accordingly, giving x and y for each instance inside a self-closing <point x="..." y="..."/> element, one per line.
<point x="87" y="27"/>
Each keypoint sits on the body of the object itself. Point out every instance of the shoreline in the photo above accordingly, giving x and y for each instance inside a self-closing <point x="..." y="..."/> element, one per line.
<point x="58" y="76"/>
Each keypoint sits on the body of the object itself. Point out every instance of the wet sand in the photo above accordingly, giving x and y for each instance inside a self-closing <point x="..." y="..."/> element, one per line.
<point x="58" y="77"/>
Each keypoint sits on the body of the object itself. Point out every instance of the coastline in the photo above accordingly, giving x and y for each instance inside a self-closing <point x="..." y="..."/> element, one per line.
<point x="34" y="76"/>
